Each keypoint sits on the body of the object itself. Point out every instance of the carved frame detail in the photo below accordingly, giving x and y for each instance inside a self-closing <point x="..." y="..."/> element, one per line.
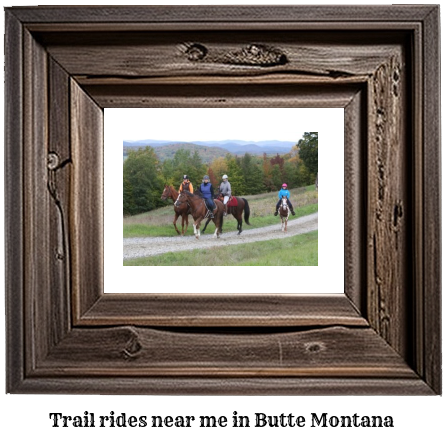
<point x="64" y="65"/>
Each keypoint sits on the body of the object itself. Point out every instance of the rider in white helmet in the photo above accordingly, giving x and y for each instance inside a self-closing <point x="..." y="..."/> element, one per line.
<point x="225" y="191"/>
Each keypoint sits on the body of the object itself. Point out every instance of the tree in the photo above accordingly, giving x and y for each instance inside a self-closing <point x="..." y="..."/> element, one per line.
<point x="308" y="151"/>
<point x="197" y="167"/>
<point x="128" y="198"/>
<point x="235" y="175"/>
<point x="185" y="163"/>
<point x="253" y="174"/>
<point x="267" y="173"/>
<point x="142" y="181"/>
<point x="219" y="167"/>
<point x="297" y="174"/>
<point x="276" y="177"/>
<point x="279" y="161"/>
<point x="212" y="178"/>
<point x="168" y="171"/>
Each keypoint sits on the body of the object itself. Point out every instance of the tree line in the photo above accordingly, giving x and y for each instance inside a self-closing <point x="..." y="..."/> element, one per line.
<point x="144" y="175"/>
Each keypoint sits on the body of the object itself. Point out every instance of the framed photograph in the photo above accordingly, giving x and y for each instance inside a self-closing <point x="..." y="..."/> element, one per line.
<point x="159" y="234"/>
<point x="375" y="331"/>
<point x="239" y="185"/>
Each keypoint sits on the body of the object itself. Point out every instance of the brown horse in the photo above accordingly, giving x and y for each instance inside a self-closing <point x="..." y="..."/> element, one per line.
<point x="200" y="212"/>
<point x="182" y="210"/>
<point x="283" y="211"/>
<point x="237" y="212"/>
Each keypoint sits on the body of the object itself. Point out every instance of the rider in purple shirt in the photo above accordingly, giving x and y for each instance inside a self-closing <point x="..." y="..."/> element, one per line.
<point x="284" y="192"/>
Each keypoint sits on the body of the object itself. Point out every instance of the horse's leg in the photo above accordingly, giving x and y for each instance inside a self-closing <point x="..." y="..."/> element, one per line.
<point x="175" y="222"/>
<point x="187" y="222"/>
<point x="206" y="224"/>
<point x="239" y="225"/>
<point x="216" y="220"/>
<point x="197" y="225"/>
<point x="239" y="216"/>
<point x="217" y="227"/>
<point x="183" y="224"/>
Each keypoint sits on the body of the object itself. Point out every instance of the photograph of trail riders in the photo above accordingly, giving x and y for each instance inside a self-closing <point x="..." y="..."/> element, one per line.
<point x="211" y="202"/>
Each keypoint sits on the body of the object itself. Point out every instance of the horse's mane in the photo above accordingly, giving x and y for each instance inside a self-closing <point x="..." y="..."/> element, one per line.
<point x="193" y="195"/>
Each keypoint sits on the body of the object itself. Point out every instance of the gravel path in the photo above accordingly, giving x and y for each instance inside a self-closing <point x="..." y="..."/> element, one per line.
<point x="148" y="246"/>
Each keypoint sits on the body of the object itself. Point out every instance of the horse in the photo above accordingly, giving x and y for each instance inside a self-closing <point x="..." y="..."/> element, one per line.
<point x="283" y="211"/>
<point x="237" y="212"/>
<point x="200" y="212"/>
<point x="182" y="210"/>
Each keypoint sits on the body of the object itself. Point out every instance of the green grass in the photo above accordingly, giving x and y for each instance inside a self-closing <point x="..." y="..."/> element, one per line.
<point x="158" y="223"/>
<point x="301" y="250"/>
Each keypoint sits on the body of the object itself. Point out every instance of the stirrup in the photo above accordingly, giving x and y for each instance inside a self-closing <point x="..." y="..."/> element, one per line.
<point x="276" y="213"/>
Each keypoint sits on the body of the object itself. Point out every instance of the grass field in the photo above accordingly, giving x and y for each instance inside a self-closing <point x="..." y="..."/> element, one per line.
<point x="158" y="223"/>
<point x="300" y="250"/>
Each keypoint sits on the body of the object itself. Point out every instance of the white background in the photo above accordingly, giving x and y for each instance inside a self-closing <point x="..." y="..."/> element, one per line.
<point x="219" y="124"/>
<point x="27" y="415"/>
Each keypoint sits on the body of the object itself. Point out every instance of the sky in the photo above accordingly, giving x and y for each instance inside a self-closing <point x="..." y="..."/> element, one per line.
<point x="204" y="124"/>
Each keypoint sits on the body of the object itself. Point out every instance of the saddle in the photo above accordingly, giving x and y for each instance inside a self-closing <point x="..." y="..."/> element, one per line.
<point x="207" y="208"/>
<point x="232" y="201"/>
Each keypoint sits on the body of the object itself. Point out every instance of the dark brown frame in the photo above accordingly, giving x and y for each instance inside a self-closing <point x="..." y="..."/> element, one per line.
<point x="64" y="65"/>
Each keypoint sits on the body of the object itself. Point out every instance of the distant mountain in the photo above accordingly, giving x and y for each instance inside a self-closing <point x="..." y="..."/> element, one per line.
<point x="276" y="143"/>
<point x="143" y="143"/>
<point x="207" y="153"/>
<point x="241" y="147"/>
<point x="221" y="143"/>
<point x="166" y="149"/>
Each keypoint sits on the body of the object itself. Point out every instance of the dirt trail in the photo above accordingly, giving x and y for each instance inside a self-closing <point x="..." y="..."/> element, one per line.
<point x="149" y="246"/>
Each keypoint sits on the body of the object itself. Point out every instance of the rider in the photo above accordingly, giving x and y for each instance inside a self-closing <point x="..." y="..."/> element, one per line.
<point x="207" y="192"/>
<point x="225" y="191"/>
<point x="186" y="185"/>
<point x="284" y="192"/>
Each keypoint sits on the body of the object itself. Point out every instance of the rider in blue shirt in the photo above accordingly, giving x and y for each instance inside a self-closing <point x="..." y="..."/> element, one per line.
<point x="207" y="192"/>
<point x="284" y="192"/>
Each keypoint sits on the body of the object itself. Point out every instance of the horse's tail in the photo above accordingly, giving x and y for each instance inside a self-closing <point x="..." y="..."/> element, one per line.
<point x="247" y="211"/>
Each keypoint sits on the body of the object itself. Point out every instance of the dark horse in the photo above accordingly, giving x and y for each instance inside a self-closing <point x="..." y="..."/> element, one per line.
<point x="200" y="212"/>
<point x="237" y="212"/>
<point x="182" y="210"/>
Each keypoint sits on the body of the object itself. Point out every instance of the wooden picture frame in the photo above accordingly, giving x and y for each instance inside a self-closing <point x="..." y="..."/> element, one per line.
<point x="65" y="64"/>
